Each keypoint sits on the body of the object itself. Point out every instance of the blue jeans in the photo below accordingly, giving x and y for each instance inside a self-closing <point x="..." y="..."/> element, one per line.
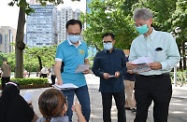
<point x="84" y="99"/>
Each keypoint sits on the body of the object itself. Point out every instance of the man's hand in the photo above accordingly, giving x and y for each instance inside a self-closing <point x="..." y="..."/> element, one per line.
<point x="130" y="65"/>
<point x="155" y="65"/>
<point x="59" y="82"/>
<point x="106" y="75"/>
<point x="117" y="74"/>
<point x="130" y="71"/>
<point x="86" y="71"/>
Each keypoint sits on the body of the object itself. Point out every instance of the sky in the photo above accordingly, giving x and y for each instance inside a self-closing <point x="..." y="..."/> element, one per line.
<point x="9" y="15"/>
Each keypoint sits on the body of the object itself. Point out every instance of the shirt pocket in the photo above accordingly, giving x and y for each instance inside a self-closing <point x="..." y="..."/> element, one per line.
<point x="160" y="55"/>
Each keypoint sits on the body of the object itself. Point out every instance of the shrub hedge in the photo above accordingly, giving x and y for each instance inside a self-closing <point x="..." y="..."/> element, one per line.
<point x="26" y="81"/>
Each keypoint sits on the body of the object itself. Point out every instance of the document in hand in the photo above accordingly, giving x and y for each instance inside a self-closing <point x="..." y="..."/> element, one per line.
<point x="65" y="86"/>
<point x="111" y="76"/>
<point x="28" y="97"/>
<point x="82" y="68"/>
<point x="141" y="68"/>
<point x="142" y="64"/>
<point x="142" y="60"/>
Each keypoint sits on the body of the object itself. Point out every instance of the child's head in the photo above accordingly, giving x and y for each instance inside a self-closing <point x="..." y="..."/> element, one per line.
<point x="52" y="103"/>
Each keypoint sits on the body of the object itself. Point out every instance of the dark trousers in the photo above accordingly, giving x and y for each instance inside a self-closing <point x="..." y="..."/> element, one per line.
<point x="152" y="88"/>
<point x="4" y="80"/>
<point x="44" y="75"/>
<point x="53" y="77"/>
<point x="119" y="98"/>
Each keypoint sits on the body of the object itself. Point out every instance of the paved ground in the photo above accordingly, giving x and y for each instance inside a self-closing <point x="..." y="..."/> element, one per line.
<point x="177" y="112"/>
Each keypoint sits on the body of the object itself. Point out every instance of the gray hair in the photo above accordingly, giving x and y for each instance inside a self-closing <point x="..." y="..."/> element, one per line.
<point x="142" y="13"/>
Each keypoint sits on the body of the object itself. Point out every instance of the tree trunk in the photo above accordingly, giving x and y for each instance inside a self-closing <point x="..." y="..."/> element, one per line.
<point x="19" y="44"/>
<point x="180" y="62"/>
<point x="184" y="55"/>
<point x="40" y="62"/>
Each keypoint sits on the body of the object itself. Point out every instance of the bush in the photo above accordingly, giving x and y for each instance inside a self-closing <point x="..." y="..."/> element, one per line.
<point x="26" y="81"/>
<point x="181" y="77"/>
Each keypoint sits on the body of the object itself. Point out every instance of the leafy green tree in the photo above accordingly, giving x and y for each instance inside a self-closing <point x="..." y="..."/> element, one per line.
<point x="34" y="58"/>
<point x="43" y="56"/>
<point x="162" y="10"/>
<point x="168" y="14"/>
<point x="179" y="19"/>
<point x="107" y="16"/>
<point x="24" y="9"/>
<point x="2" y="56"/>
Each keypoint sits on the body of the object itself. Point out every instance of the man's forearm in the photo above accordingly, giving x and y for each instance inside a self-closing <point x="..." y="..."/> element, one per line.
<point x="58" y="74"/>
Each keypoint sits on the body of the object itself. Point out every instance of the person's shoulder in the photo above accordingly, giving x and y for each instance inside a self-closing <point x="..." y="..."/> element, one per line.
<point x="138" y="38"/>
<point x="101" y="52"/>
<point x="84" y="43"/>
<point x="167" y="36"/>
<point x="163" y="32"/>
<point x="63" y="43"/>
<point x="119" y="51"/>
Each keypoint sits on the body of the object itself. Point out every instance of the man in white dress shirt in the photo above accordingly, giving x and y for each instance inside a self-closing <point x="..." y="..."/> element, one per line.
<point x="154" y="85"/>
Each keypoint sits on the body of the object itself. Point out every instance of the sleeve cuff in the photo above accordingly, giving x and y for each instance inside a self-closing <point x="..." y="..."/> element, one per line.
<point x="58" y="59"/>
<point x="164" y="65"/>
<point x="101" y="74"/>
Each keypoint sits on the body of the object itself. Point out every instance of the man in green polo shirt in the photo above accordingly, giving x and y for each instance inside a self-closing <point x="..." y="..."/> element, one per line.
<point x="73" y="52"/>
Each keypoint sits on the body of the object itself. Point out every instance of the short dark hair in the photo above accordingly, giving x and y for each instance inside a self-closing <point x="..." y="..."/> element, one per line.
<point x="73" y="22"/>
<point x="109" y="34"/>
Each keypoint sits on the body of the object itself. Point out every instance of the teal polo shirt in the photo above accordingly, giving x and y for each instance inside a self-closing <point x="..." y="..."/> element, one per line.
<point x="72" y="56"/>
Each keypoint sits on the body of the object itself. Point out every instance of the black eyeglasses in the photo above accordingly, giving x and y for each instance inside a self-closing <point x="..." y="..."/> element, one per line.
<point x="106" y="42"/>
<point x="74" y="34"/>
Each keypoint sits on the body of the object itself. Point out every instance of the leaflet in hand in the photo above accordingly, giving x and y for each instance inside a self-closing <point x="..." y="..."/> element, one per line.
<point x="142" y="60"/>
<point x="111" y="76"/>
<point x="82" y="68"/>
<point x="28" y="97"/>
<point x="65" y="86"/>
<point x="141" y="68"/>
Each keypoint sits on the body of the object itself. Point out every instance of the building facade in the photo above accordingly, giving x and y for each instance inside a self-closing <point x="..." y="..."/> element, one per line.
<point x="65" y="14"/>
<point x="41" y="26"/>
<point x="47" y="25"/>
<point x="7" y="39"/>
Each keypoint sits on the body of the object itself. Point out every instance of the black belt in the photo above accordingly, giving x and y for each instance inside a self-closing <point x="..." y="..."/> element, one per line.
<point x="164" y="74"/>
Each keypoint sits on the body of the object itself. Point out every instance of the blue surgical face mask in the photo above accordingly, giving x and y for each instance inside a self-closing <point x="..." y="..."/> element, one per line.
<point x="108" y="46"/>
<point x="74" y="38"/>
<point x="142" y="29"/>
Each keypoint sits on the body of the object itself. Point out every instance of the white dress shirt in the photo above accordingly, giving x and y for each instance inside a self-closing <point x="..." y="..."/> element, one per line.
<point x="160" y="47"/>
